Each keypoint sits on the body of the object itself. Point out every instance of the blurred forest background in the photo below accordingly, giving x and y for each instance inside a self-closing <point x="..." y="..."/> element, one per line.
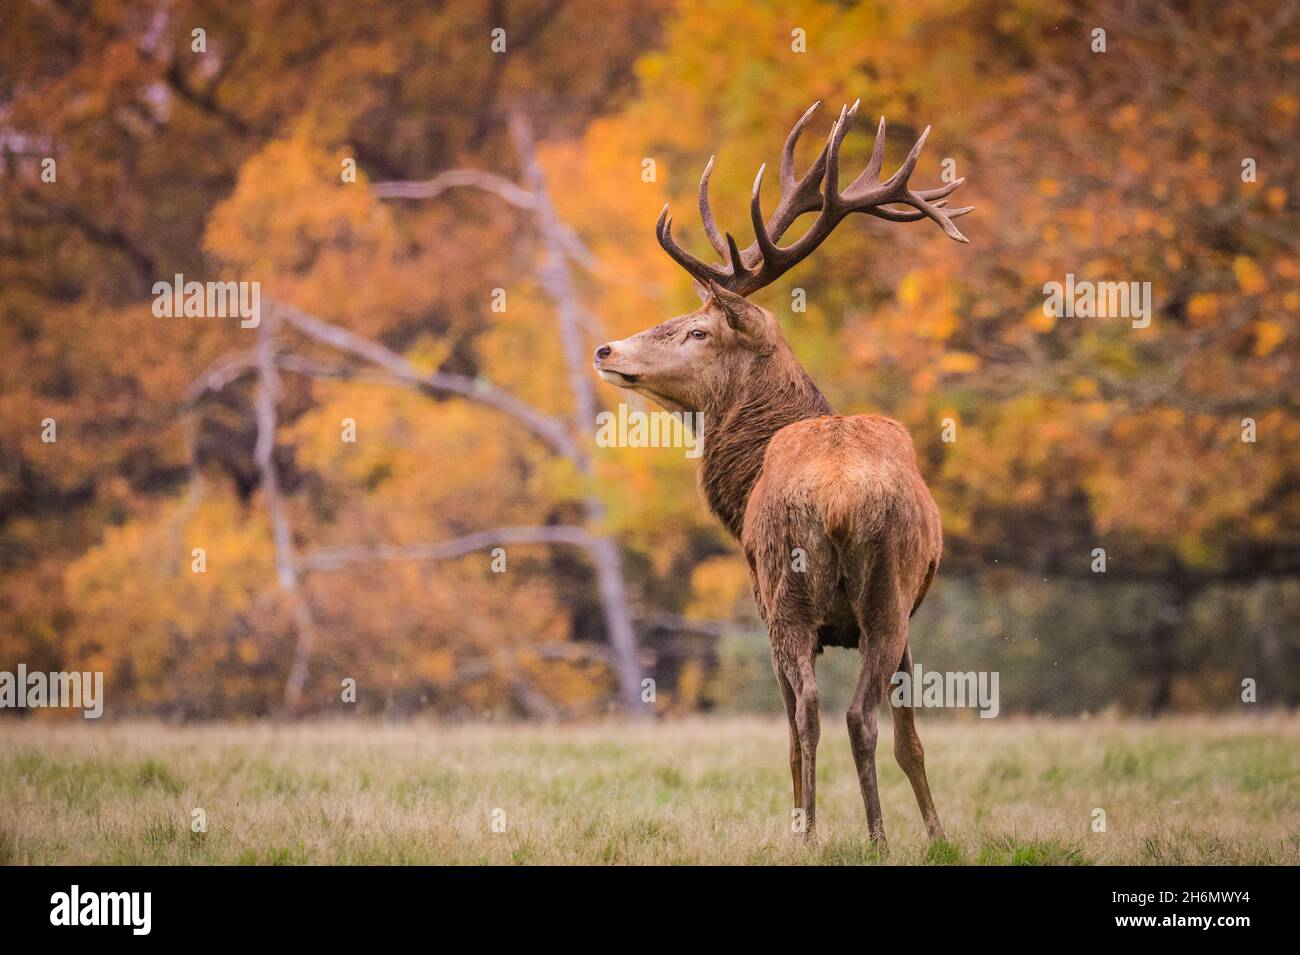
<point x="523" y="171"/>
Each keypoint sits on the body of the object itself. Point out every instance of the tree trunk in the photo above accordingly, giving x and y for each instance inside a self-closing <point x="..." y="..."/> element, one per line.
<point x="558" y="285"/>
<point x="286" y="562"/>
<point x="1166" y="635"/>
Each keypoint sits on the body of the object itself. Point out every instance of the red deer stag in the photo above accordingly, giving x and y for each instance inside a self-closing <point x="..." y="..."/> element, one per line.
<point x="840" y="531"/>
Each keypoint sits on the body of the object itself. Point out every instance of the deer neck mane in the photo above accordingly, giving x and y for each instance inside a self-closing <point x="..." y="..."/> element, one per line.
<point x="775" y="392"/>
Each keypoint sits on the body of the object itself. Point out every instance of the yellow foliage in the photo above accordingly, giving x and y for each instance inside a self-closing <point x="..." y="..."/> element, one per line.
<point x="290" y="203"/>
<point x="144" y="611"/>
<point x="1040" y="320"/>
<point x="1249" y="276"/>
<point x="1268" y="335"/>
<point x="1203" y="308"/>
<point x="718" y="585"/>
<point x="436" y="666"/>
<point x="959" y="363"/>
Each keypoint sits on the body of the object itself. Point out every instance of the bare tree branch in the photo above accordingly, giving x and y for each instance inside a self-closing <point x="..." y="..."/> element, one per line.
<point x="675" y="623"/>
<point x="477" y="390"/>
<point x="221" y="373"/>
<point x="451" y="179"/>
<point x="567" y="651"/>
<point x="489" y="182"/>
<point x="336" y="558"/>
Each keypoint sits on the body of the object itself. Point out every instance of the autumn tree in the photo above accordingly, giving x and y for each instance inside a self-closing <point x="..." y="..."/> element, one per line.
<point x="1119" y="498"/>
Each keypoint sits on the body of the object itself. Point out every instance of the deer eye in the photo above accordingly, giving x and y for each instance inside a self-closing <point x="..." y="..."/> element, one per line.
<point x="699" y="334"/>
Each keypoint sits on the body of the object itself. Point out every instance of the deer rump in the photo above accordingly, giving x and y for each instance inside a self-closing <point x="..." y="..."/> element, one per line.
<point x="840" y="527"/>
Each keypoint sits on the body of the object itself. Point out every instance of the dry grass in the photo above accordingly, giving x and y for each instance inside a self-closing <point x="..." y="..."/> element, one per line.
<point x="695" y="791"/>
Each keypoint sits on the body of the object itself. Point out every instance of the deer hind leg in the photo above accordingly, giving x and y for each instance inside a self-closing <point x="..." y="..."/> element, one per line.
<point x="789" y="594"/>
<point x="883" y="628"/>
<point x="911" y="755"/>
<point x="796" y="759"/>
<point x="792" y="654"/>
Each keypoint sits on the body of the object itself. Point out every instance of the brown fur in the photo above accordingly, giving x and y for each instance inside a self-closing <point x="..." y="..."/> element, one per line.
<point x="787" y="476"/>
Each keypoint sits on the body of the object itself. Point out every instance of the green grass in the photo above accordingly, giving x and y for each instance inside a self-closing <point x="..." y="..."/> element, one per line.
<point x="1010" y="792"/>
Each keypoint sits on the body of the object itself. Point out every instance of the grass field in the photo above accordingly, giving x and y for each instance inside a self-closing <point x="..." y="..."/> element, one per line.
<point x="696" y="791"/>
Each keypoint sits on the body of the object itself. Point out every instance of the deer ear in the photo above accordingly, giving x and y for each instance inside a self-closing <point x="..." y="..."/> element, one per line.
<point x="740" y="313"/>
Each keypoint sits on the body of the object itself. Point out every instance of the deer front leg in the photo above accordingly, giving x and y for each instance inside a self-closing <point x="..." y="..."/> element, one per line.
<point x="793" y="651"/>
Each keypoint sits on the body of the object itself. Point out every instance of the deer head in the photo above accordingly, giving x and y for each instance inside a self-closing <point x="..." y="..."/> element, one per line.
<point x="698" y="361"/>
<point x="692" y="362"/>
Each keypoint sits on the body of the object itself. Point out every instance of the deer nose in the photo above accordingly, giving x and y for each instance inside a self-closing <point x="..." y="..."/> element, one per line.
<point x="604" y="351"/>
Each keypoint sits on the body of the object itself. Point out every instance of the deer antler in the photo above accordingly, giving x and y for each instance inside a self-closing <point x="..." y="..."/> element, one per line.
<point x="765" y="261"/>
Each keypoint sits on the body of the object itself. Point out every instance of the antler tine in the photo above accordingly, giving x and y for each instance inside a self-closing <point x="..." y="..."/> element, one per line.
<point x="768" y="251"/>
<point x="874" y="164"/>
<point x="706" y="214"/>
<point x="904" y="172"/>
<point x="700" y="270"/>
<point x="733" y="255"/>
<point x="897" y="215"/>
<point x="838" y="132"/>
<point x="944" y="219"/>
<point x="787" y="152"/>
<point x="940" y="191"/>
